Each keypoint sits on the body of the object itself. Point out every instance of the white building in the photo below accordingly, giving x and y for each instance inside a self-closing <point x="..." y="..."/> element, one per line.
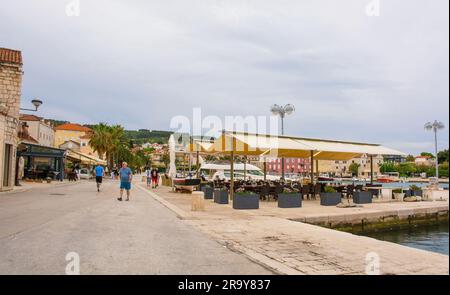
<point x="39" y="129"/>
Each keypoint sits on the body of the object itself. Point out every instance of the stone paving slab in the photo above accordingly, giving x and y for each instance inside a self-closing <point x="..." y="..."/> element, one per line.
<point x="291" y="247"/>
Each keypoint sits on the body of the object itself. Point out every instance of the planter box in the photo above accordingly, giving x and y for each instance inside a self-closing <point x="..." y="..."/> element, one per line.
<point x="220" y="196"/>
<point x="411" y="193"/>
<point x="362" y="197"/>
<point x="208" y="191"/>
<point x="399" y="196"/>
<point x="246" y="201"/>
<point x="330" y="199"/>
<point x="289" y="200"/>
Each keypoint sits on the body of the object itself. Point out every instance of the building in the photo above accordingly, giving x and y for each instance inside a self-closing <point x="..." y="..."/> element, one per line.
<point x="342" y="168"/>
<point x="70" y="132"/>
<point x="291" y="165"/>
<point x="394" y="159"/>
<point x="424" y="161"/>
<point x="39" y="129"/>
<point x="10" y="92"/>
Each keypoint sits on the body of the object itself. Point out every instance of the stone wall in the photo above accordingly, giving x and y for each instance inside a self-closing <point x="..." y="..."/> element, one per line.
<point x="10" y="93"/>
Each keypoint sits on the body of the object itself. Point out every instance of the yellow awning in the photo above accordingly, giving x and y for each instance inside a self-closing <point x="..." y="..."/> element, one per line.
<point x="295" y="147"/>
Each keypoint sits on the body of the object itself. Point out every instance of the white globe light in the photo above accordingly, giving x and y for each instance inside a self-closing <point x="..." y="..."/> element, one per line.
<point x="275" y="109"/>
<point x="289" y="109"/>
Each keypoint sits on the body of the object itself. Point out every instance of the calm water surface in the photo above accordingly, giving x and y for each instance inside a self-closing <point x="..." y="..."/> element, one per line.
<point x="432" y="238"/>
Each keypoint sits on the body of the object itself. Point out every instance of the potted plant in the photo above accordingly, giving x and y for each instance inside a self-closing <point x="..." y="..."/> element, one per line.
<point x="362" y="197"/>
<point x="414" y="191"/>
<point x="399" y="195"/>
<point x="208" y="192"/>
<point x="221" y="196"/>
<point x="289" y="199"/>
<point x="245" y="200"/>
<point x="330" y="197"/>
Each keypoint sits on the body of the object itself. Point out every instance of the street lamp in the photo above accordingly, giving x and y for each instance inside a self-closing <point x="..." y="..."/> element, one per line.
<point x="435" y="126"/>
<point x="36" y="102"/>
<point x="282" y="112"/>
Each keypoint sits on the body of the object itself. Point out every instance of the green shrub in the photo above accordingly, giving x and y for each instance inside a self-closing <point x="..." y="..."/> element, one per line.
<point x="329" y="189"/>
<point x="414" y="188"/>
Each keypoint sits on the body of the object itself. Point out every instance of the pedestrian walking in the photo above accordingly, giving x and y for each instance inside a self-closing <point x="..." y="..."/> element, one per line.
<point x="148" y="174"/>
<point x="155" y="175"/>
<point x="99" y="174"/>
<point x="126" y="176"/>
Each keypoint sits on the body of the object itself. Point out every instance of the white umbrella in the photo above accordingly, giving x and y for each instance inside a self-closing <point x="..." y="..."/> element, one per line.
<point x="172" y="168"/>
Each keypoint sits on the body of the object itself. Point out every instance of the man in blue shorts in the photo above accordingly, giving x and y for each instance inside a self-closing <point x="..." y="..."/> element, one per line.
<point x="125" y="175"/>
<point x="99" y="173"/>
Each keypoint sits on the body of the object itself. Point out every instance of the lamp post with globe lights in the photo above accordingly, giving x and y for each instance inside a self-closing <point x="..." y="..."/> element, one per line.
<point x="435" y="126"/>
<point x="282" y="111"/>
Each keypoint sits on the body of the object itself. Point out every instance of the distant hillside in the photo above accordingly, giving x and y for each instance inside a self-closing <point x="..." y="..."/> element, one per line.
<point x="136" y="136"/>
<point x="143" y="135"/>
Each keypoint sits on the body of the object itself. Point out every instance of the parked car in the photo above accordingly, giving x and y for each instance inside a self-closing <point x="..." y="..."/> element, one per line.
<point x="85" y="173"/>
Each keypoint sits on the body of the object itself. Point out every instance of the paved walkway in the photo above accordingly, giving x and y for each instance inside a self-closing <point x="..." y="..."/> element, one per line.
<point x="292" y="247"/>
<point x="39" y="227"/>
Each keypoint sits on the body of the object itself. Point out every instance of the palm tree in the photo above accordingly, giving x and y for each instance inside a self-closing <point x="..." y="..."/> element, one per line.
<point x="435" y="126"/>
<point x="100" y="139"/>
<point x="116" y="133"/>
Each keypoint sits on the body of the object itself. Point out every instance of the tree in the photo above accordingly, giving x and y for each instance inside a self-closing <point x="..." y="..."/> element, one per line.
<point x="353" y="168"/>
<point x="443" y="156"/>
<point x="100" y="139"/>
<point x="388" y="167"/>
<point x="410" y="158"/>
<point x="427" y="154"/>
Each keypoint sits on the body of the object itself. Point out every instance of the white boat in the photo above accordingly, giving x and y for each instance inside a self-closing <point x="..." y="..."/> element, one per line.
<point x="223" y="171"/>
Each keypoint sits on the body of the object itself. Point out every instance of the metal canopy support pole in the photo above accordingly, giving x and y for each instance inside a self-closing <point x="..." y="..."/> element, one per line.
<point x="265" y="170"/>
<point x="317" y="169"/>
<point x="371" y="169"/>
<point x="232" y="170"/>
<point x="198" y="163"/>
<point x="245" y="168"/>
<point x="312" y="167"/>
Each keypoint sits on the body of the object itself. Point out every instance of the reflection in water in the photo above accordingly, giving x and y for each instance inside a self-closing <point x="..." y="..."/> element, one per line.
<point x="432" y="238"/>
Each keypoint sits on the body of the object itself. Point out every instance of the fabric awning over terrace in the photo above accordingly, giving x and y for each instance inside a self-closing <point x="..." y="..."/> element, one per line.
<point x="295" y="147"/>
<point x="84" y="159"/>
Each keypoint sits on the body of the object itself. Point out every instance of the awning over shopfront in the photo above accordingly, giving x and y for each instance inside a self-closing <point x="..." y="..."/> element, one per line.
<point x="84" y="159"/>
<point x="38" y="156"/>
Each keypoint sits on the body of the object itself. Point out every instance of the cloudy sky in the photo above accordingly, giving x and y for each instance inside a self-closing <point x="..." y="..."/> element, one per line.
<point x="140" y="63"/>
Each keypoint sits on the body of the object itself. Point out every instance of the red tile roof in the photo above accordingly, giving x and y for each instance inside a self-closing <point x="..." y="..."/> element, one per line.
<point x="73" y="127"/>
<point x="10" y="56"/>
<point x="26" y="117"/>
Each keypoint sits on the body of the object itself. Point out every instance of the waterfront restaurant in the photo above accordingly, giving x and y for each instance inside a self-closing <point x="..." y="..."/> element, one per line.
<point x="263" y="145"/>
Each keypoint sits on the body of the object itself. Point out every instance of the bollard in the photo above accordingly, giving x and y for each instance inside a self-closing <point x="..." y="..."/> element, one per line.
<point x="198" y="201"/>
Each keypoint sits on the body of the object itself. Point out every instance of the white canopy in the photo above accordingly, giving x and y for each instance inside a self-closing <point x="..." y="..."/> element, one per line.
<point x="295" y="147"/>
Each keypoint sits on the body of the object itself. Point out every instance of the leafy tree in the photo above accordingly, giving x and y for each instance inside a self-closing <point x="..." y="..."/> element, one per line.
<point x="427" y="154"/>
<point x="353" y="168"/>
<point x="388" y="167"/>
<point x="443" y="156"/>
<point x="410" y="158"/>
<point x="443" y="169"/>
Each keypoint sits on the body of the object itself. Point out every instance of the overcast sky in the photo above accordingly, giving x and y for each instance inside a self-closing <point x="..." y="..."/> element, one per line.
<point x="139" y="63"/>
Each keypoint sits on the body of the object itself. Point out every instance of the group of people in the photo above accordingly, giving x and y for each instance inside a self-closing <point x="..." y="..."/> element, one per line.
<point x="126" y="176"/>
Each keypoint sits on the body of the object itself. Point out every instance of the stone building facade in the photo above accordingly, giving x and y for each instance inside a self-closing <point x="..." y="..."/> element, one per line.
<point x="10" y="92"/>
